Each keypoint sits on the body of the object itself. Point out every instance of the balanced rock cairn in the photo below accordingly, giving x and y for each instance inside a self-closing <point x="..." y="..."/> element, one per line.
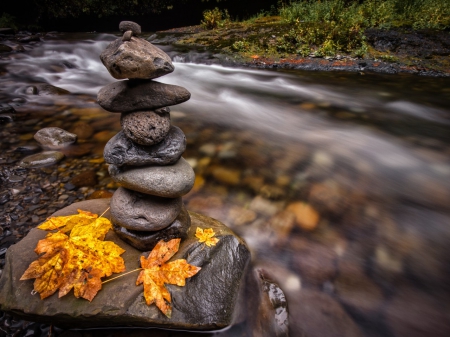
<point x="145" y="156"/>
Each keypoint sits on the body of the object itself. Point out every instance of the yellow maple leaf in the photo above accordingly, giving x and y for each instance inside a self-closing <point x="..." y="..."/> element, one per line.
<point x="206" y="236"/>
<point x="78" y="261"/>
<point x="66" y="223"/>
<point x="156" y="272"/>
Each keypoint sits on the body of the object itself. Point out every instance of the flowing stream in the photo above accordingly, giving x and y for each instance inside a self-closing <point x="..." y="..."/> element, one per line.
<point x="339" y="182"/>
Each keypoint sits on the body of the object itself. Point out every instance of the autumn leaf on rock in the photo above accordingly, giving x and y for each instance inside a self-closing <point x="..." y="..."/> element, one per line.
<point x="206" y="236"/>
<point x="78" y="261"/>
<point x="156" y="272"/>
<point x="66" y="223"/>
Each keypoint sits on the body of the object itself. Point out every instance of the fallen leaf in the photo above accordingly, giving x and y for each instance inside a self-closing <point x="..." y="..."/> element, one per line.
<point x="78" y="261"/>
<point x="156" y="272"/>
<point x="206" y="236"/>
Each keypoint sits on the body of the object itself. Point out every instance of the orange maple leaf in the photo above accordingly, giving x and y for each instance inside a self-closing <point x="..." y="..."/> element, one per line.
<point x="77" y="261"/>
<point x="156" y="272"/>
<point x="206" y="236"/>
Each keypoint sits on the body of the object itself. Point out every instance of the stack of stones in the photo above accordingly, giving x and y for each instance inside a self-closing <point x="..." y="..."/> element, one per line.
<point x="145" y="156"/>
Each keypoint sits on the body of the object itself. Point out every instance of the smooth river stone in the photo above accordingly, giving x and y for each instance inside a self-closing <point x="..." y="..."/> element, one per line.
<point x="145" y="127"/>
<point x="208" y="301"/>
<point x="145" y="241"/>
<point x="120" y="150"/>
<point x="136" y="58"/>
<point x="130" y="25"/>
<point x="41" y="159"/>
<point x="169" y="181"/>
<point x="54" y="138"/>
<point x="127" y="96"/>
<point x="143" y="212"/>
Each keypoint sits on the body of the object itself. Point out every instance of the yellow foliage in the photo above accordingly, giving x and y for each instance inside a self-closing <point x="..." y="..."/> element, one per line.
<point x="206" y="236"/>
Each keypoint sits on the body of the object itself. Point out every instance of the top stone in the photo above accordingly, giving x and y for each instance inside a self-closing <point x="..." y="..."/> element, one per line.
<point x="135" y="59"/>
<point x="130" y="25"/>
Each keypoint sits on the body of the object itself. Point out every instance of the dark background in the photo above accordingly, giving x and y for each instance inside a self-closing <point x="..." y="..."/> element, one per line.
<point x="30" y="14"/>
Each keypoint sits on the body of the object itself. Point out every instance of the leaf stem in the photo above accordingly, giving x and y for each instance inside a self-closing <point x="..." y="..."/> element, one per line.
<point x="122" y="274"/>
<point x="104" y="212"/>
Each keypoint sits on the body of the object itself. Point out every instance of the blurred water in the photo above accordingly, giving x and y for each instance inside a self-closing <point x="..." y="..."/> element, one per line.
<point x="368" y="157"/>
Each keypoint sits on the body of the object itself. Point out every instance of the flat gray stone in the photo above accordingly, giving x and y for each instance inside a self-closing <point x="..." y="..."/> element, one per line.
<point x="41" y="159"/>
<point x="54" y="138"/>
<point x="127" y="96"/>
<point x="170" y="181"/>
<point x="207" y="301"/>
<point x="136" y="58"/>
<point x="120" y="150"/>
<point x="130" y="25"/>
<point x="143" y="212"/>
<point x="145" y="241"/>
<point x="145" y="127"/>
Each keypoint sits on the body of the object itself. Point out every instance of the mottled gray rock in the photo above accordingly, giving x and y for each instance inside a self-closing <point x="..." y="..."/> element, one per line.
<point x="143" y="212"/>
<point x="136" y="58"/>
<point x="45" y="158"/>
<point x="130" y="25"/>
<point x="120" y="150"/>
<point x="145" y="241"/>
<point x="54" y="138"/>
<point x="170" y="181"/>
<point x="145" y="127"/>
<point x="207" y="301"/>
<point x="127" y="96"/>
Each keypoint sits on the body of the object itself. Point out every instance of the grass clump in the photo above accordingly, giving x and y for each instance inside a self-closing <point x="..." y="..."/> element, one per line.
<point x="332" y="26"/>
<point x="214" y="18"/>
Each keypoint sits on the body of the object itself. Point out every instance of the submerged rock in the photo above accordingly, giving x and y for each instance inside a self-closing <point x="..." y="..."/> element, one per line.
<point x="169" y="181"/>
<point x="136" y="58"/>
<point x="120" y="150"/>
<point x="127" y="96"/>
<point x="207" y="301"/>
<point x="142" y="212"/>
<point x="54" y="138"/>
<point x="145" y="127"/>
<point x="45" y="158"/>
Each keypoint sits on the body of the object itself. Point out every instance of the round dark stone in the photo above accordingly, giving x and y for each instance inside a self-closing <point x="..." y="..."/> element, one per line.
<point x="145" y="241"/>
<point x="130" y="25"/>
<point x="143" y="212"/>
<point x="145" y="127"/>
<point x="120" y="150"/>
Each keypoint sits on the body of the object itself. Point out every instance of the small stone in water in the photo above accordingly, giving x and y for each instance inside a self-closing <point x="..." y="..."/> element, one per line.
<point x="42" y="159"/>
<point x="54" y="138"/>
<point x="15" y="179"/>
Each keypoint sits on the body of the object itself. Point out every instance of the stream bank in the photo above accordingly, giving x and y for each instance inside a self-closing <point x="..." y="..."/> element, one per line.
<point x="424" y="52"/>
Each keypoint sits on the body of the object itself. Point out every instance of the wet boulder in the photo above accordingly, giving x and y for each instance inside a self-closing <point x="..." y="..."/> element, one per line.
<point x="207" y="302"/>
<point x="5" y="49"/>
<point x="54" y="138"/>
<point x="135" y="59"/>
<point x="127" y="96"/>
<point x="120" y="150"/>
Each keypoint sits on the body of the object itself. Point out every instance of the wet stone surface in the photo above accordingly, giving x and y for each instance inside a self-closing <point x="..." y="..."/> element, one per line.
<point x="143" y="212"/>
<point x="120" y="150"/>
<point x="127" y="96"/>
<point x="205" y="303"/>
<point x="145" y="127"/>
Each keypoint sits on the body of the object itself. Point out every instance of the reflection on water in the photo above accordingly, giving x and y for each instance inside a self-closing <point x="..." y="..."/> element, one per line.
<point x="339" y="183"/>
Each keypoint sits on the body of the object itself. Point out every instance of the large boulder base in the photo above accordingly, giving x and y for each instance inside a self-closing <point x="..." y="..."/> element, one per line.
<point x="136" y="58"/>
<point x="169" y="181"/>
<point x="120" y="150"/>
<point x="207" y="302"/>
<point x="127" y="96"/>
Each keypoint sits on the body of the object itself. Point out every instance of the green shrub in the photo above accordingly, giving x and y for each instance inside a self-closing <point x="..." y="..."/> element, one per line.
<point x="215" y="18"/>
<point x="8" y="21"/>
